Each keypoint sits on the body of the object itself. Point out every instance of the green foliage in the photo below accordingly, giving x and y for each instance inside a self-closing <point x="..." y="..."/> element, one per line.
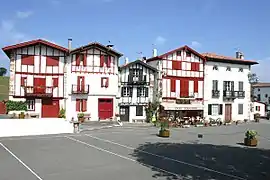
<point x="150" y="110"/>
<point x="251" y="134"/>
<point x="80" y="115"/>
<point x="3" y="71"/>
<point x="62" y="113"/>
<point x="164" y="124"/>
<point x="4" y="88"/>
<point x="16" y="106"/>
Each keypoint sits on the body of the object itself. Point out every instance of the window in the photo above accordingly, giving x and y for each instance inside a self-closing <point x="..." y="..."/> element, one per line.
<point x="228" y="68"/>
<point x="215" y="85"/>
<point x="135" y="72"/>
<point x="241" y="86"/>
<point x="215" y="67"/>
<point x="240" y="70"/>
<point x="139" y="110"/>
<point x="258" y="97"/>
<point x="240" y="109"/>
<point x="105" y="59"/>
<point x="126" y="92"/>
<point x="178" y="53"/>
<point x="228" y="85"/>
<point x="215" y="109"/>
<point x="142" y="92"/>
<point x="81" y="105"/>
<point x="30" y="104"/>
<point x="188" y="54"/>
<point x="266" y="95"/>
<point x="105" y="82"/>
<point x="268" y="100"/>
<point x="23" y="81"/>
<point x="257" y="108"/>
<point x="259" y="90"/>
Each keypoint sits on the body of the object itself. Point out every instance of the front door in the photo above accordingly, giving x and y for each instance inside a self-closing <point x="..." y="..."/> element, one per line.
<point x="50" y="108"/>
<point x="124" y="113"/>
<point x="228" y="112"/>
<point x="105" y="108"/>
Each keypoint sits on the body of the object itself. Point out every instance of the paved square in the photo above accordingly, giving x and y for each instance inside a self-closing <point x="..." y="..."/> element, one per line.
<point x="137" y="153"/>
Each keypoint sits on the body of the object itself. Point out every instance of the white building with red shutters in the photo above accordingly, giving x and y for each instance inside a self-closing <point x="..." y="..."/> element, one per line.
<point x="37" y="76"/>
<point x="181" y="81"/>
<point x="92" y="81"/>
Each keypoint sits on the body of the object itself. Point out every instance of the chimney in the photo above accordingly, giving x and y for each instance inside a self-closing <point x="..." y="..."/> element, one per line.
<point x="69" y="43"/>
<point x="144" y="59"/>
<point x="239" y="55"/>
<point x="110" y="45"/>
<point x="154" y="52"/>
<point x="126" y="60"/>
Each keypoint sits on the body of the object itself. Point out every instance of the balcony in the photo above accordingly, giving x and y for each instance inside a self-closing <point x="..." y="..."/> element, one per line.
<point x="38" y="91"/>
<point x="229" y="95"/>
<point x="215" y="93"/>
<point x="77" y="89"/>
<point x="240" y="94"/>
<point x="134" y="80"/>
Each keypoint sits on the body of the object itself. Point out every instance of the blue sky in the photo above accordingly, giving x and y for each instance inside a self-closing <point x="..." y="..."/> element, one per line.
<point x="134" y="25"/>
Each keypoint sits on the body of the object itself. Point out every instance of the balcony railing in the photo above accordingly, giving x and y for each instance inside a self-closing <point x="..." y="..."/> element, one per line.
<point x="77" y="89"/>
<point x="240" y="94"/>
<point x="38" y="91"/>
<point x="229" y="94"/>
<point x="215" y="93"/>
<point x="137" y="80"/>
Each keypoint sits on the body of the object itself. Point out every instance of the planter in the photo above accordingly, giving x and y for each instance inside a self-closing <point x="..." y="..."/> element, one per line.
<point x="21" y="116"/>
<point x="164" y="133"/>
<point x="250" y="142"/>
<point x="81" y="120"/>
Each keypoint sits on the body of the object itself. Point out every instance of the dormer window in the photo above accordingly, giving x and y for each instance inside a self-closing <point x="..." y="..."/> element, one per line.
<point x="240" y="69"/>
<point x="228" y="68"/>
<point x="215" y="67"/>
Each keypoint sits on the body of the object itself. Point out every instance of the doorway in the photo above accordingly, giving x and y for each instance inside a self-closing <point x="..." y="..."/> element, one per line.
<point x="124" y="113"/>
<point x="228" y="112"/>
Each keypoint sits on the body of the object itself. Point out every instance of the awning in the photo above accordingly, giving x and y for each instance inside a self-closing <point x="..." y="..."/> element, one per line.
<point x="173" y="106"/>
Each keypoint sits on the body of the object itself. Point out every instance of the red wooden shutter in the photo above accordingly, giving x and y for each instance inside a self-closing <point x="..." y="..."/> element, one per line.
<point x="84" y="59"/>
<point x="77" y="59"/>
<point x="55" y="82"/>
<point x="109" y="61"/>
<point x="174" y="65"/>
<point x="195" y="86"/>
<point x="52" y="61"/>
<point x="193" y="66"/>
<point x="82" y="85"/>
<point x="186" y="88"/>
<point x="179" y="64"/>
<point x="27" y="60"/>
<point x="78" y="105"/>
<point x="84" y="105"/>
<point x="173" y="85"/>
<point x="23" y="81"/>
<point x="101" y="84"/>
<point x="78" y="84"/>
<point x="101" y="60"/>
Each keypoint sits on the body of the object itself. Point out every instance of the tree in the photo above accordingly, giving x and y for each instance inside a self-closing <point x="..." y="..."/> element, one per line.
<point x="253" y="79"/>
<point x="3" y="71"/>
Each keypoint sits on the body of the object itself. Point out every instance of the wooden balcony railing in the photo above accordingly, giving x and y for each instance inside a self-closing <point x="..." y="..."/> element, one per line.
<point x="38" y="91"/>
<point x="77" y="89"/>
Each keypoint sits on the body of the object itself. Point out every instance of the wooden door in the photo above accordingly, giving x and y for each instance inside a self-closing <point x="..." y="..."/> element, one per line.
<point x="124" y="113"/>
<point x="228" y="112"/>
<point x="80" y="83"/>
<point x="50" y="108"/>
<point x="39" y="85"/>
<point x="105" y="108"/>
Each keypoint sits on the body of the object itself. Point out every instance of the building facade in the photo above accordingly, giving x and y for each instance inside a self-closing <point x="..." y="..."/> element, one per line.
<point x="37" y="76"/>
<point x="227" y="87"/>
<point x="262" y="92"/>
<point x="180" y="81"/>
<point x="92" y="81"/>
<point x="137" y="82"/>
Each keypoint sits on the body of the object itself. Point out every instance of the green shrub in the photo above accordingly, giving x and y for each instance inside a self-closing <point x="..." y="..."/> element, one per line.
<point x="62" y="113"/>
<point x="251" y="134"/>
<point x="16" y="106"/>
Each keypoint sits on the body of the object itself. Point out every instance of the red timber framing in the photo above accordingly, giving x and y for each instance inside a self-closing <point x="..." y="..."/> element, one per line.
<point x="95" y="58"/>
<point x="39" y="58"/>
<point x="183" y="64"/>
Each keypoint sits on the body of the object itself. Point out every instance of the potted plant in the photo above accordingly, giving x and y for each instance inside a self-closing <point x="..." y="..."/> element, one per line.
<point x="62" y="113"/>
<point x="213" y="122"/>
<point x="164" y="128"/>
<point x="21" y="115"/>
<point x="27" y="116"/>
<point x="81" y="117"/>
<point x="257" y="117"/>
<point x="251" y="139"/>
<point x="199" y="124"/>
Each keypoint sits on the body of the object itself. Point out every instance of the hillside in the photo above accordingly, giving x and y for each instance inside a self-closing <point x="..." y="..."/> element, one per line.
<point x="4" y="87"/>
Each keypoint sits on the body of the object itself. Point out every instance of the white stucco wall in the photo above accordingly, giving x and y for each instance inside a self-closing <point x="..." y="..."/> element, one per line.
<point x="264" y="93"/>
<point x="222" y="75"/>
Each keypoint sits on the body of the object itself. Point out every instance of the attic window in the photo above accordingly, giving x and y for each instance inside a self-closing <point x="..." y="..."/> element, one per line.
<point x="178" y="53"/>
<point x="215" y="67"/>
<point x="240" y="69"/>
<point x="228" y="68"/>
<point x="188" y="54"/>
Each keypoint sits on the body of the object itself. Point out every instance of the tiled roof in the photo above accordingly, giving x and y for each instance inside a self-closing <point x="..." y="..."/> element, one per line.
<point x="221" y="57"/>
<point x="261" y="85"/>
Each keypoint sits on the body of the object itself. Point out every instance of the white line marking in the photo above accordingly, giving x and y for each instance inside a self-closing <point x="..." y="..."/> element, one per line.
<point x="123" y="157"/>
<point x="171" y="159"/>
<point x="18" y="159"/>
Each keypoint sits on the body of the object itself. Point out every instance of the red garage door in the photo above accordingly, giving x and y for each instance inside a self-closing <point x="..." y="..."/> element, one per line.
<point x="50" y="108"/>
<point x="105" y="108"/>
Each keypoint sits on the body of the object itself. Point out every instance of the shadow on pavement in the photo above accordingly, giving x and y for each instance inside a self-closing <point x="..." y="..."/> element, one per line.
<point x="239" y="162"/>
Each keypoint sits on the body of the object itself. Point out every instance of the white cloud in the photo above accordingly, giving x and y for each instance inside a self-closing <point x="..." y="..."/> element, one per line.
<point x="262" y="69"/>
<point x="196" y="44"/>
<point x="23" y="14"/>
<point x="160" y="40"/>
